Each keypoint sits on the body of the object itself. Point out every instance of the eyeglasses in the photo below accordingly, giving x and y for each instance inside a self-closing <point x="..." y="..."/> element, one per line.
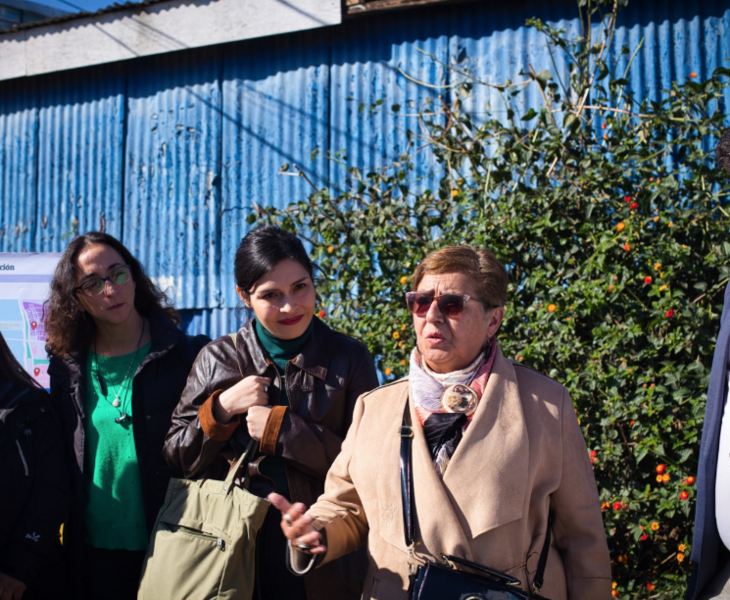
<point x="95" y="286"/>
<point x="450" y="305"/>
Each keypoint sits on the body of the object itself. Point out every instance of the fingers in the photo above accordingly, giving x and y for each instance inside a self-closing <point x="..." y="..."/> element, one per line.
<point x="279" y="502"/>
<point x="294" y="522"/>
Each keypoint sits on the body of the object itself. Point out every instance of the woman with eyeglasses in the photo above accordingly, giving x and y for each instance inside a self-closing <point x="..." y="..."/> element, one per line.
<point x="290" y="383"/>
<point x="118" y="366"/>
<point x="499" y="472"/>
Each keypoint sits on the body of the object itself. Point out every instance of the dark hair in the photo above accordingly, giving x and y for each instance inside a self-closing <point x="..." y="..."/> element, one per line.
<point x="722" y="151"/>
<point x="262" y="249"/>
<point x="10" y="368"/>
<point x="480" y="264"/>
<point x="70" y="328"/>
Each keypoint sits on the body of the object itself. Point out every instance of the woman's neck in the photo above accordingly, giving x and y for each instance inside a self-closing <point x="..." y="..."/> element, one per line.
<point x="121" y="338"/>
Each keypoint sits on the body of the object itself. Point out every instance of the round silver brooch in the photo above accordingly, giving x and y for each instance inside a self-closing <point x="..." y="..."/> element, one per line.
<point x="459" y="398"/>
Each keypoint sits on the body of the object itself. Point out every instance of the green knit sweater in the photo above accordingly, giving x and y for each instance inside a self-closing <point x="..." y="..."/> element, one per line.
<point x="114" y="515"/>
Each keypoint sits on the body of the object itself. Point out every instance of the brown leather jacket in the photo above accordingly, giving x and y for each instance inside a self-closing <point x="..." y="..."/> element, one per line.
<point x="322" y="383"/>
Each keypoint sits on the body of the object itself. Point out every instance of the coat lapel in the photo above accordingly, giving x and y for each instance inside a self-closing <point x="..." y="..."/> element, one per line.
<point x="495" y="446"/>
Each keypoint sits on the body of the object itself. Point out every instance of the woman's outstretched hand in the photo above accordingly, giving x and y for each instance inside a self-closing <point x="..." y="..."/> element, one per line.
<point x="297" y="526"/>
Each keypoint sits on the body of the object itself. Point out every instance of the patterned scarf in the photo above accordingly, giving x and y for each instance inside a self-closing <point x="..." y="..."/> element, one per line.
<point x="444" y="430"/>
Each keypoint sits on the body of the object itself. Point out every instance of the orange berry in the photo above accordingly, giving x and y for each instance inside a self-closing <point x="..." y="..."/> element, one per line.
<point x="403" y="280"/>
<point x="388" y="372"/>
<point x="330" y="248"/>
<point x="552" y="308"/>
<point x="403" y="362"/>
<point x="620" y="226"/>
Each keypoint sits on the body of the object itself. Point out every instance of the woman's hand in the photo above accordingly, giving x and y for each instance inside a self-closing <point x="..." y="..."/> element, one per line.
<point x="10" y="588"/>
<point x="256" y="419"/>
<point x="297" y="526"/>
<point x="250" y="391"/>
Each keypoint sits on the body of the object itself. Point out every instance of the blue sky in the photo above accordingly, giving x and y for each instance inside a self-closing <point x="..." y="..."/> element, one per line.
<point x="89" y="5"/>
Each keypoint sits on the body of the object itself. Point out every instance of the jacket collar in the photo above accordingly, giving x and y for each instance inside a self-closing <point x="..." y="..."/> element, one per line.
<point x="10" y="398"/>
<point x="313" y="358"/>
<point x="164" y="336"/>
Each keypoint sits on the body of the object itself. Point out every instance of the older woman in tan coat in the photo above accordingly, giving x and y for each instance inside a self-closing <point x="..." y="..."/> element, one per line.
<point x="496" y="450"/>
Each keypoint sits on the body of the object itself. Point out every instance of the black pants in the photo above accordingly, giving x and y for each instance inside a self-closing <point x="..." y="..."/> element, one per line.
<point x="112" y="574"/>
<point x="273" y="580"/>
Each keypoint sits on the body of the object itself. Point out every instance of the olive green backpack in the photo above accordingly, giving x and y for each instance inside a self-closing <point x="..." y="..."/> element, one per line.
<point x="204" y="540"/>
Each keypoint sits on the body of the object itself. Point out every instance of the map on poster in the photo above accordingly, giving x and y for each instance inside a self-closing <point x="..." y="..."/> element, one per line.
<point x="25" y="280"/>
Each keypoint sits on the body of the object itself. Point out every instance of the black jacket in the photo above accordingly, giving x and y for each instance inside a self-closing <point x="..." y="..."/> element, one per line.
<point x="34" y="501"/>
<point x="156" y="389"/>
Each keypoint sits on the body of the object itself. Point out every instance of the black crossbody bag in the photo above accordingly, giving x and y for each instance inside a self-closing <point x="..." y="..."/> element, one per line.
<point x="434" y="581"/>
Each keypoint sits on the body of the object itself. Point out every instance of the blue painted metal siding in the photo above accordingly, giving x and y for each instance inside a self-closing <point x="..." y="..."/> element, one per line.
<point x="18" y="167"/>
<point x="172" y="169"/>
<point x="275" y="112"/>
<point x="79" y="165"/>
<point x="174" y="150"/>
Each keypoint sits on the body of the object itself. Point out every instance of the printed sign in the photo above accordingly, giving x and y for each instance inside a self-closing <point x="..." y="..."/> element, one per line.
<point x="25" y="281"/>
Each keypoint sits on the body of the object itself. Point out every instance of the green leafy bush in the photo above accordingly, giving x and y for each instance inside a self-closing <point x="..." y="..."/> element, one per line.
<point x="613" y="223"/>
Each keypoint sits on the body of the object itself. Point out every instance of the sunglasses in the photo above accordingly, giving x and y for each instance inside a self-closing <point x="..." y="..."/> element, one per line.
<point x="450" y="305"/>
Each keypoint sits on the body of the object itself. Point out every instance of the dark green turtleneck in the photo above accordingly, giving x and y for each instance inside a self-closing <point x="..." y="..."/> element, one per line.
<point x="280" y="352"/>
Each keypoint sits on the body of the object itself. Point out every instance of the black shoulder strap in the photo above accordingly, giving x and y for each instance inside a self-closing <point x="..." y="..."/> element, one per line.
<point x="406" y="475"/>
<point x="542" y="563"/>
<point x="406" y="482"/>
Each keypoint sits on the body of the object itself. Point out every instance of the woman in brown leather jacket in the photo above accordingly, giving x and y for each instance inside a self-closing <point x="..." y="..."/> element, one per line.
<point x="288" y="381"/>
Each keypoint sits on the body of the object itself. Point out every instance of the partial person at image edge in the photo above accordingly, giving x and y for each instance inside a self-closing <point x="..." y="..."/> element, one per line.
<point x="34" y="501"/>
<point x="711" y="541"/>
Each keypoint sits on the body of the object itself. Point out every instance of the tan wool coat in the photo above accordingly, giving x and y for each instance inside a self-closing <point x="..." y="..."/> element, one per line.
<point x="522" y="456"/>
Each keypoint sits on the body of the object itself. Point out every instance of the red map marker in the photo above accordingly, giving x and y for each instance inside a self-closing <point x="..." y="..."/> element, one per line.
<point x="36" y="371"/>
<point x="33" y="324"/>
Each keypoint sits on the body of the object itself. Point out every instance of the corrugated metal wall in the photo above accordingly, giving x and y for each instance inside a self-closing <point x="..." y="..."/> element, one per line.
<point x="170" y="152"/>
